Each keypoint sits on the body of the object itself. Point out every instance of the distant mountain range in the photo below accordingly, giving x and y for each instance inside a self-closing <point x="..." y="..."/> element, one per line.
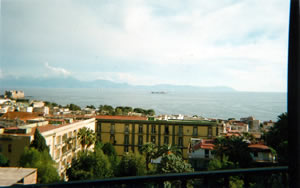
<point x="69" y="82"/>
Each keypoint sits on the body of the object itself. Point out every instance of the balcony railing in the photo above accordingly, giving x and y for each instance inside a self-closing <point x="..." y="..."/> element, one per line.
<point x="265" y="177"/>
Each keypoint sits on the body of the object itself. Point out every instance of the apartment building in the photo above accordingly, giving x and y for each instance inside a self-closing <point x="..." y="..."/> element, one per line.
<point x="129" y="133"/>
<point x="61" y="139"/>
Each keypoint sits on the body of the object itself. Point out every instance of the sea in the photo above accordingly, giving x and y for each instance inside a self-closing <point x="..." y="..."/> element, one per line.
<point x="263" y="106"/>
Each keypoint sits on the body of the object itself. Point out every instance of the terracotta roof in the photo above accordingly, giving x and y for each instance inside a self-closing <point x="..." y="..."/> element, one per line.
<point x="204" y="144"/>
<point x="121" y="117"/>
<point x="259" y="146"/>
<point x="42" y="129"/>
<point x="20" y="115"/>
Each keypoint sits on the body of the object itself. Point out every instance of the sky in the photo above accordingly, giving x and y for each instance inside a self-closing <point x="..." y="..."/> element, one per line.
<point x="241" y="44"/>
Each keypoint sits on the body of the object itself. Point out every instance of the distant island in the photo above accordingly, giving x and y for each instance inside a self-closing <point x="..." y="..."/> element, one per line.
<point x="70" y="82"/>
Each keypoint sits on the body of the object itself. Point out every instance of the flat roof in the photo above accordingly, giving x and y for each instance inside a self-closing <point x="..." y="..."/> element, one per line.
<point x="11" y="175"/>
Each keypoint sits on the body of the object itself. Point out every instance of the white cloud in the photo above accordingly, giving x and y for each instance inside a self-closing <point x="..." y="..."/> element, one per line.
<point x="57" y="70"/>
<point x="206" y="35"/>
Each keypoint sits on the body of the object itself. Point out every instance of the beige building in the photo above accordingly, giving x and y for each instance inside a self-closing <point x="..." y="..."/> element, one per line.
<point x="61" y="139"/>
<point x="129" y="133"/>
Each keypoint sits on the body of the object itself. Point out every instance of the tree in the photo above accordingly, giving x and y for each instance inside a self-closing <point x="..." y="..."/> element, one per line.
<point x="167" y="149"/>
<point x="171" y="163"/>
<point x="236" y="148"/>
<point x="132" y="165"/>
<point x="150" y="151"/>
<point x="73" y="107"/>
<point x="277" y="138"/>
<point x="39" y="142"/>
<point x="91" y="106"/>
<point x="150" y="112"/>
<point x="106" y="109"/>
<point x="87" y="137"/>
<point x="217" y="164"/>
<point x="3" y="161"/>
<point x="90" y="165"/>
<point x="109" y="149"/>
<point x="139" y="110"/>
<point x="33" y="158"/>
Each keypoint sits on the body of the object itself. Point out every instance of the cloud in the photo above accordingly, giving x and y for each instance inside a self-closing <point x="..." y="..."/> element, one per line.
<point x="202" y="37"/>
<point x="57" y="70"/>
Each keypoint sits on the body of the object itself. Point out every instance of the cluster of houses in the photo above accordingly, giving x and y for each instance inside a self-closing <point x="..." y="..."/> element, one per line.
<point x="195" y="135"/>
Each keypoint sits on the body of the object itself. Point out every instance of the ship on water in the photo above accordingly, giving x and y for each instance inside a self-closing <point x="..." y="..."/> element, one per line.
<point x="158" y="92"/>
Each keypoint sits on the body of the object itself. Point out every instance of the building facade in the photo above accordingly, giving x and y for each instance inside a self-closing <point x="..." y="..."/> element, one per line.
<point x="128" y="135"/>
<point x="61" y="139"/>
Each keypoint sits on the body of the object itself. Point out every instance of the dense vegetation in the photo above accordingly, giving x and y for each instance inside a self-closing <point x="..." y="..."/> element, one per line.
<point x="277" y="138"/>
<point x="107" y="109"/>
<point x="37" y="156"/>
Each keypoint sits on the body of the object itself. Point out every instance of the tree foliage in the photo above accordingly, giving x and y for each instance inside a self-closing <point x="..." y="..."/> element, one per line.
<point x="90" y="165"/>
<point x="73" y="107"/>
<point x="109" y="149"/>
<point x="167" y="149"/>
<point x="150" y="151"/>
<point x="106" y="109"/>
<point x="277" y="138"/>
<point x="3" y="161"/>
<point x="33" y="158"/>
<point x="132" y="165"/>
<point x="91" y="106"/>
<point x="39" y="142"/>
<point x="236" y="148"/>
<point x="87" y="137"/>
<point x="171" y="163"/>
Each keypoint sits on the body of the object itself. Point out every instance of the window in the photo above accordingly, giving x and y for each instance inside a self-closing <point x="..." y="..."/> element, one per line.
<point x="180" y="130"/>
<point x="99" y="127"/>
<point x="180" y="141"/>
<point x="166" y="129"/>
<point x="206" y="153"/>
<point x="255" y="154"/>
<point x="125" y="148"/>
<point x="140" y="129"/>
<point x="209" y="132"/>
<point x="153" y="139"/>
<point x="140" y="140"/>
<point x="126" y="139"/>
<point x="112" y="129"/>
<point x="126" y="128"/>
<point x="58" y="140"/>
<point x="195" y="131"/>
<point x="112" y="139"/>
<point x="65" y="136"/>
<point x="153" y="129"/>
<point x="166" y="140"/>
<point x="9" y="149"/>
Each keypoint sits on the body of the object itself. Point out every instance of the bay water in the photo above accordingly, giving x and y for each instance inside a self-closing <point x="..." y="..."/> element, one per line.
<point x="263" y="106"/>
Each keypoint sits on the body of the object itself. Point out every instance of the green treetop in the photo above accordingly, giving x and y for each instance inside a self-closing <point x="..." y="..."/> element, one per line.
<point x="39" y="142"/>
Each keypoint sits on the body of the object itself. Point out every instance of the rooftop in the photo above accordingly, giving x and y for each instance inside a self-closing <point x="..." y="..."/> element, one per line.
<point x="20" y="115"/>
<point x="12" y="175"/>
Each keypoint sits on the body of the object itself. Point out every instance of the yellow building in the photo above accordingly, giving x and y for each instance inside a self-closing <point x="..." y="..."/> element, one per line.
<point x="128" y="133"/>
<point x="61" y="139"/>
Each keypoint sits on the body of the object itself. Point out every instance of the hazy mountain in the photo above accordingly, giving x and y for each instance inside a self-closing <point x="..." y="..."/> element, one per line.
<point x="69" y="82"/>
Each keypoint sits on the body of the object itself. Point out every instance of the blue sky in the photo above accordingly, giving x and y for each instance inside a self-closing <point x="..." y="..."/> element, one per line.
<point x="237" y="43"/>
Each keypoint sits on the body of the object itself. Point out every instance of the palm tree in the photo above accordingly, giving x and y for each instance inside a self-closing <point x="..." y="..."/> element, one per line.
<point x="87" y="137"/>
<point x="150" y="151"/>
<point x="168" y="149"/>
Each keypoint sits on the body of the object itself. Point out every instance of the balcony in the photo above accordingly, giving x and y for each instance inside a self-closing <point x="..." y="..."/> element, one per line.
<point x="268" y="177"/>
